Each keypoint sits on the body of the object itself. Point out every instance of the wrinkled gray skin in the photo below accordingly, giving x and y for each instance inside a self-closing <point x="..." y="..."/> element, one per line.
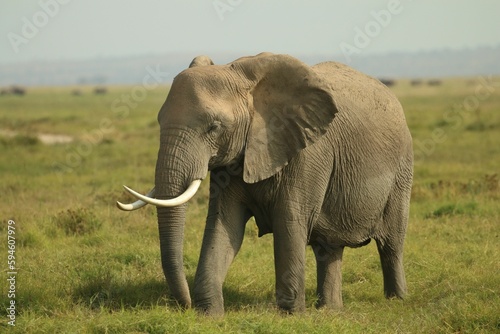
<point x="320" y="156"/>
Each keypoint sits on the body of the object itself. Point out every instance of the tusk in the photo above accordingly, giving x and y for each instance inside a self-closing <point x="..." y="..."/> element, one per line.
<point x="137" y="204"/>
<point x="183" y="198"/>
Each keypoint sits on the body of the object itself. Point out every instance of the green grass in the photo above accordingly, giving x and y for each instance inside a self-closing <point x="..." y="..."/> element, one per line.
<point x="86" y="267"/>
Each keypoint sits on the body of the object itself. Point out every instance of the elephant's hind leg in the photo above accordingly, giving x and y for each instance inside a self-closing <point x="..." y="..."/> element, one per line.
<point x="390" y="245"/>
<point x="329" y="266"/>
<point x="392" y="268"/>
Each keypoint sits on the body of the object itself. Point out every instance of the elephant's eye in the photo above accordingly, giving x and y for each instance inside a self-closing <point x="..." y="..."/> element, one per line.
<point x="214" y="128"/>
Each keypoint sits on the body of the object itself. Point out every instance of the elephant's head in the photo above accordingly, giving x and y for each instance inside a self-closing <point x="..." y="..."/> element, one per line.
<point x="258" y="111"/>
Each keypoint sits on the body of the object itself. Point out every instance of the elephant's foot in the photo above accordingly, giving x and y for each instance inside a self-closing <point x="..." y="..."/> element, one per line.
<point x="394" y="275"/>
<point x="329" y="270"/>
<point x="395" y="288"/>
<point x="290" y="301"/>
<point x="286" y="308"/>
<point x="183" y="302"/>
<point x="210" y="306"/>
<point x="210" y="311"/>
<point x="329" y="302"/>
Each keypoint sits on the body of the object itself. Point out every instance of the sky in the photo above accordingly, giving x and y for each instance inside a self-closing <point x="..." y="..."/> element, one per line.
<point x="40" y="30"/>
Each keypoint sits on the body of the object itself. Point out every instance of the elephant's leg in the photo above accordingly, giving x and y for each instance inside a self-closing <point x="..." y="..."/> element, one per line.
<point x="391" y="257"/>
<point x="390" y="246"/>
<point x="289" y="258"/>
<point x="222" y="240"/>
<point x="329" y="270"/>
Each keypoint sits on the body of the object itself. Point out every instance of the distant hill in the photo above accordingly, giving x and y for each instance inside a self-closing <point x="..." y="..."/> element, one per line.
<point x="132" y="70"/>
<point x="436" y="64"/>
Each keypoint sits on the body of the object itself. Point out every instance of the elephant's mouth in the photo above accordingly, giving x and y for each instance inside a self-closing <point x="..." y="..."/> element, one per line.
<point x="166" y="203"/>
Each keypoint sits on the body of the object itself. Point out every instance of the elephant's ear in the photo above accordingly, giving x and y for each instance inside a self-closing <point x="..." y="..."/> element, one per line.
<point x="201" y="61"/>
<point x="292" y="109"/>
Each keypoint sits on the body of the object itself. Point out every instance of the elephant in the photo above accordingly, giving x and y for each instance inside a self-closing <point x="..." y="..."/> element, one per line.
<point x="319" y="155"/>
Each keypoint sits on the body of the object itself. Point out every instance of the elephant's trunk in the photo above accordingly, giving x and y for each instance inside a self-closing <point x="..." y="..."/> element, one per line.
<point x="178" y="165"/>
<point x="169" y="183"/>
<point x="171" y="226"/>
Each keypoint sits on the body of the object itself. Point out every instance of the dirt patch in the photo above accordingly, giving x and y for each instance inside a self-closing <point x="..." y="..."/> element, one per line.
<point x="51" y="139"/>
<point x="45" y="138"/>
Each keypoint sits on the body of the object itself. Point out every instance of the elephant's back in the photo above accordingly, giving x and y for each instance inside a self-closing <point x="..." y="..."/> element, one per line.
<point x="349" y="86"/>
<point x="344" y="78"/>
<point x="364" y="103"/>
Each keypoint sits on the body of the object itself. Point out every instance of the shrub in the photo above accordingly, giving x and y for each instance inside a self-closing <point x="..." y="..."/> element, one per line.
<point x="453" y="210"/>
<point x="19" y="140"/>
<point x="78" y="222"/>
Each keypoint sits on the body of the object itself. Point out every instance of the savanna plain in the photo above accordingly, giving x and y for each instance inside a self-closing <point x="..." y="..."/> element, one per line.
<point x="83" y="266"/>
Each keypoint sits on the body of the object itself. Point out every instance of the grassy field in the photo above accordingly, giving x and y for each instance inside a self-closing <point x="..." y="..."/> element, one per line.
<point x="85" y="267"/>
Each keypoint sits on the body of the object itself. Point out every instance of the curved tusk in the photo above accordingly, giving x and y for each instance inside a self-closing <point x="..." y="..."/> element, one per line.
<point x="183" y="198"/>
<point x="137" y="204"/>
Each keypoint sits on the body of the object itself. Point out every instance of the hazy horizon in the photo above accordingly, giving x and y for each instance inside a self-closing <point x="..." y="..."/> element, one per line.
<point x="60" y="30"/>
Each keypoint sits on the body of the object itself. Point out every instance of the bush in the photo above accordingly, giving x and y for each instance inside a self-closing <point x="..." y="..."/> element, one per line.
<point x="453" y="210"/>
<point x="19" y="140"/>
<point x="78" y="222"/>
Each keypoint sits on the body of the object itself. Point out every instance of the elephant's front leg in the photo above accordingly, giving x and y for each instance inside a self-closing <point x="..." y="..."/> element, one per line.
<point x="289" y="256"/>
<point x="222" y="240"/>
